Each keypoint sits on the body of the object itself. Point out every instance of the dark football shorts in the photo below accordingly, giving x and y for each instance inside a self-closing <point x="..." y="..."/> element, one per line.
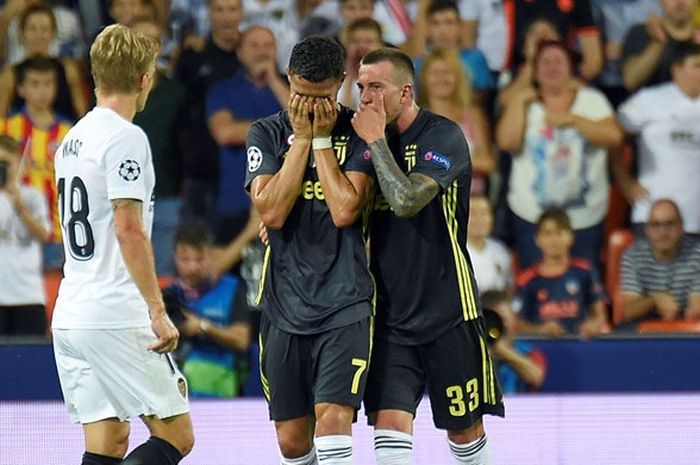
<point x="455" y="368"/>
<point x="300" y="371"/>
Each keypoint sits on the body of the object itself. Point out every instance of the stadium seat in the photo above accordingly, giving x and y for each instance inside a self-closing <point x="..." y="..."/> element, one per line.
<point x="618" y="241"/>
<point x="165" y="281"/>
<point x="678" y="326"/>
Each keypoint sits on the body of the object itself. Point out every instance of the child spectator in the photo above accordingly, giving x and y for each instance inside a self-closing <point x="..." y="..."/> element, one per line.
<point x="490" y="258"/>
<point x="560" y="294"/>
<point x="37" y="28"/>
<point x="521" y="367"/>
<point x="24" y="226"/>
<point x="214" y="318"/>
<point x="39" y="123"/>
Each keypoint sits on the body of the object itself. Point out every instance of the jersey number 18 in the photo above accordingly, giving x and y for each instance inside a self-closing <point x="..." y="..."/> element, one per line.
<point x="81" y="242"/>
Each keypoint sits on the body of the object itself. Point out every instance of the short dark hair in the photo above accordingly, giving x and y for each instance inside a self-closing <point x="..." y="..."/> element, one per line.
<point x="369" y="24"/>
<point x="440" y="5"/>
<point x="400" y="60"/>
<point x="38" y="8"/>
<point x="37" y="65"/>
<point x="195" y="233"/>
<point x="317" y="59"/>
<point x="556" y="214"/>
<point x="684" y="50"/>
<point x="10" y="144"/>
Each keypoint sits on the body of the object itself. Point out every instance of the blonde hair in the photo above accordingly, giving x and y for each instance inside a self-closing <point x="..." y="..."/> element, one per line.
<point x="462" y="94"/>
<point x="120" y="57"/>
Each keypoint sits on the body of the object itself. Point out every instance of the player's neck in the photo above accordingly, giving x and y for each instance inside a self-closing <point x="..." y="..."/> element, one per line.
<point x="122" y="104"/>
<point x="407" y="117"/>
<point x="41" y="117"/>
<point x="554" y="265"/>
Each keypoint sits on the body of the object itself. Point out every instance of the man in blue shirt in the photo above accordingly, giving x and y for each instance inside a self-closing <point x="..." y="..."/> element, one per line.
<point x="256" y="90"/>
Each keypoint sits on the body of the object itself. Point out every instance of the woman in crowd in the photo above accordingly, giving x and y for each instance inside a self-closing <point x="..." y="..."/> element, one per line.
<point x="558" y="132"/>
<point x="445" y="90"/>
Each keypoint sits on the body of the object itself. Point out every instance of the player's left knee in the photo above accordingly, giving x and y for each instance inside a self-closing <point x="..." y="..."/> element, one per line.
<point x="334" y="419"/>
<point x="467" y="435"/>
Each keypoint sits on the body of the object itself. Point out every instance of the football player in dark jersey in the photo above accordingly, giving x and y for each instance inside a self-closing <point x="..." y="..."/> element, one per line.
<point x="429" y="328"/>
<point x="311" y="179"/>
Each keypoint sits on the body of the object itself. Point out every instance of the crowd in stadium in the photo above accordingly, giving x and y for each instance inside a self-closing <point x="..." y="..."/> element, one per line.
<point x="581" y="115"/>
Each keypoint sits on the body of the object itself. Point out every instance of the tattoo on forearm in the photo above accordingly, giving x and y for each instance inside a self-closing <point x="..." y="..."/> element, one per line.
<point x="406" y="195"/>
<point x="125" y="203"/>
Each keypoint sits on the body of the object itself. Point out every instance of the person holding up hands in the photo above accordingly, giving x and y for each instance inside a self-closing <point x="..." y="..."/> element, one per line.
<point x="310" y="178"/>
<point x="429" y="332"/>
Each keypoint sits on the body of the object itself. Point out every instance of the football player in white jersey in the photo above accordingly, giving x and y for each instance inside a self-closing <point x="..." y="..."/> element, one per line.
<point x="111" y="332"/>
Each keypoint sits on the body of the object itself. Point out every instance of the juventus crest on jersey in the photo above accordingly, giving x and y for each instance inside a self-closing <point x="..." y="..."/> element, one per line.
<point x="102" y="158"/>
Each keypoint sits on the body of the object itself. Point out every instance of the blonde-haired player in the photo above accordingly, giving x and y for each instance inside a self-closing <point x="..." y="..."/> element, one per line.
<point x="111" y="332"/>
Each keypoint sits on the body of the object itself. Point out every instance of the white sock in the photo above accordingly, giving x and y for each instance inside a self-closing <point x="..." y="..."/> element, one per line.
<point x="392" y="447"/>
<point x="334" y="450"/>
<point x="471" y="453"/>
<point x="308" y="459"/>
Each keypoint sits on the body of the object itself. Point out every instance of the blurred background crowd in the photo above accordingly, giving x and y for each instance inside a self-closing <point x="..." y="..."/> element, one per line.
<point x="582" y="118"/>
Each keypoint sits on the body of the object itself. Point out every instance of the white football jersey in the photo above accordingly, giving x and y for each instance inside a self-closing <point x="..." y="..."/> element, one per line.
<point x="102" y="158"/>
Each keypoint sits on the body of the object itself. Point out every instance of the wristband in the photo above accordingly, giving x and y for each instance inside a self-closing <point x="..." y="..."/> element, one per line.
<point x="319" y="143"/>
<point x="203" y="326"/>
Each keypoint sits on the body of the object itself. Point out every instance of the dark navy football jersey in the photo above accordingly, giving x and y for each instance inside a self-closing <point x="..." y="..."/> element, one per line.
<point x="566" y="298"/>
<point x="425" y="282"/>
<point x="315" y="275"/>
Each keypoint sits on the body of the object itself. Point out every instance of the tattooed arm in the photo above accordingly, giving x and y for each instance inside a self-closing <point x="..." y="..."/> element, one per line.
<point x="406" y="195"/>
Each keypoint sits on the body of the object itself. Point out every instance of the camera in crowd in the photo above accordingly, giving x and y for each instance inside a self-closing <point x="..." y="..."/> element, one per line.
<point x="494" y="325"/>
<point x="174" y="305"/>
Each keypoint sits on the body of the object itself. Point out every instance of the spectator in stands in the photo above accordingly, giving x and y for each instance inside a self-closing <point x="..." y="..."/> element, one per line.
<point x="38" y="28"/>
<point x="68" y="42"/>
<point x="350" y="12"/>
<point x="443" y="89"/>
<point x="665" y="120"/>
<point x="445" y="31"/>
<point x="484" y="27"/>
<point x="198" y="70"/>
<point x="38" y="124"/>
<point x="404" y="23"/>
<point x="362" y="37"/>
<point x="616" y="19"/>
<point x="214" y="319"/>
<point x="24" y="225"/>
<point x="255" y="91"/>
<point x="291" y="20"/>
<point x="558" y="133"/>
<point x="127" y="11"/>
<point x="660" y="275"/>
<point x="573" y="19"/>
<point x="648" y="50"/>
<point x="490" y="258"/>
<point x="540" y="30"/>
<point x="520" y="366"/>
<point x="560" y="294"/>
<point x="161" y="119"/>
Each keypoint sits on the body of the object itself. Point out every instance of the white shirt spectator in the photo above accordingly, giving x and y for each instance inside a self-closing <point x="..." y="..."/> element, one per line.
<point x="666" y="121"/>
<point x="492" y="266"/>
<point x="558" y="167"/>
<point x="21" y="281"/>
<point x="491" y="33"/>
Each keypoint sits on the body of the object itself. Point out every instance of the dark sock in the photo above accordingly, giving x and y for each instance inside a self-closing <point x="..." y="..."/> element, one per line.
<point x="155" y="451"/>
<point x="96" y="459"/>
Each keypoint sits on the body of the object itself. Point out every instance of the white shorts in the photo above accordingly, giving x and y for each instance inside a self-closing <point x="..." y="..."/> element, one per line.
<point x="108" y="373"/>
